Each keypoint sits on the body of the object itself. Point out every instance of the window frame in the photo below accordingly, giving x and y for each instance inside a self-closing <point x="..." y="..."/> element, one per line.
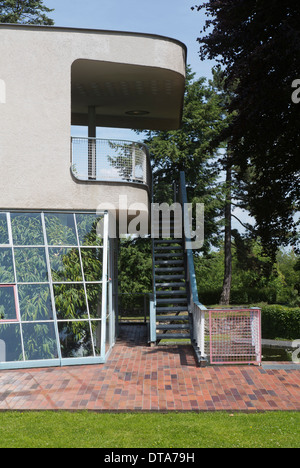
<point x="17" y="309"/>
<point x="103" y="281"/>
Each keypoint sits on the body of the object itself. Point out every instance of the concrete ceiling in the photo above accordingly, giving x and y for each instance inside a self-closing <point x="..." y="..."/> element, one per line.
<point x="125" y="95"/>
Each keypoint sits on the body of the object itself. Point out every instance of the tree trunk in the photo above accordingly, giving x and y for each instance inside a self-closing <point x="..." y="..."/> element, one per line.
<point x="225" y="296"/>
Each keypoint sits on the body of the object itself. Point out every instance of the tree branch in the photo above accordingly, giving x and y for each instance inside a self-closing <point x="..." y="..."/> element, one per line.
<point x="246" y="226"/>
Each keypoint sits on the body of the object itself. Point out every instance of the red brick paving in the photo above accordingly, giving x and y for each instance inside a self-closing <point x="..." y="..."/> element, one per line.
<point x="137" y="377"/>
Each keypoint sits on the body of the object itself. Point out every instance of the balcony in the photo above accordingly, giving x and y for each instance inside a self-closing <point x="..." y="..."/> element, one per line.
<point x="99" y="160"/>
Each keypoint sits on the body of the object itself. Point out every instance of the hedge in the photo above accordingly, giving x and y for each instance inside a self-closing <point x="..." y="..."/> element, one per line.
<point x="280" y="322"/>
<point x="243" y="296"/>
<point x="240" y="296"/>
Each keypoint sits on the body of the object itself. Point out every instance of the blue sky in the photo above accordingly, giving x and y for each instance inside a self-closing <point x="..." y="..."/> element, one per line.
<point x="172" y="18"/>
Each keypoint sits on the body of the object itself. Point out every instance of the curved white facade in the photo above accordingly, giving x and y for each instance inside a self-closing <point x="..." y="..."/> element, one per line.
<point x="52" y="75"/>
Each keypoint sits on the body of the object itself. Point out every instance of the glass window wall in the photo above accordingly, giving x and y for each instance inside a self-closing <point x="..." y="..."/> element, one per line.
<point x="53" y="288"/>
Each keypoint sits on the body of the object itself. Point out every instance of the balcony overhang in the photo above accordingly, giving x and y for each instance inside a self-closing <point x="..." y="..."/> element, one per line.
<point x="132" y="80"/>
<point x="126" y="95"/>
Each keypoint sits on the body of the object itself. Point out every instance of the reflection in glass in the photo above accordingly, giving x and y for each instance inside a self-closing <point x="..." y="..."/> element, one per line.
<point x="39" y="341"/>
<point x="60" y="228"/>
<point x="75" y="339"/>
<point x="32" y="309"/>
<point x="10" y="342"/>
<point x="4" y="239"/>
<point x="65" y="264"/>
<point x="87" y="229"/>
<point x="7" y="303"/>
<point x="7" y="275"/>
<point x="92" y="263"/>
<point x="27" y="229"/>
<point x="31" y="265"/>
<point x="35" y="302"/>
<point x="70" y="301"/>
<point x="94" y="295"/>
<point x="108" y="337"/>
<point x="96" y="330"/>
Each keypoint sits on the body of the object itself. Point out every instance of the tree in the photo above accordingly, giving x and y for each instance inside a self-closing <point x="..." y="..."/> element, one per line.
<point x="258" y="44"/>
<point x="188" y="149"/>
<point x="218" y="84"/>
<point x="25" y="12"/>
<point x="225" y="295"/>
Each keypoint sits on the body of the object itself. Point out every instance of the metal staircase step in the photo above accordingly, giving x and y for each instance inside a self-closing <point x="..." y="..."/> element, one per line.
<point x="168" y="277"/>
<point x="172" y="309"/>
<point x="172" y="318"/>
<point x="167" y="262"/>
<point x="171" y="285"/>
<point x="168" y="255"/>
<point x="172" y="301"/>
<point x="170" y="269"/>
<point x="174" y="336"/>
<point x="174" y="326"/>
<point x="177" y="292"/>
<point x="173" y="247"/>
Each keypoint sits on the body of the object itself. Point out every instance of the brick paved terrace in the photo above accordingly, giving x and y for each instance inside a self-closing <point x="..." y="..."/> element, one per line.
<point x="137" y="377"/>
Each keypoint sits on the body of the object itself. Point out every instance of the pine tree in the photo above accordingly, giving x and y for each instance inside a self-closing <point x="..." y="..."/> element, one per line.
<point x="25" y="12"/>
<point x="189" y="149"/>
<point x="257" y="43"/>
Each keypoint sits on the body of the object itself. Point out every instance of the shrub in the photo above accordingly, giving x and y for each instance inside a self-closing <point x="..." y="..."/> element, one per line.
<point x="280" y="322"/>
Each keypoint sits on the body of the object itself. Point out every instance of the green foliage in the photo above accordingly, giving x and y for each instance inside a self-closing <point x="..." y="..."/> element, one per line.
<point x="255" y="278"/>
<point x="248" y="38"/>
<point x="25" y="12"/>
<point x="135" y="266"/>
<point x="35" y="299"/>
<point x="189" y="149"/>
<point x="280" y="322"/>
<point x="135" y="275"/>
<point x="27" y="229"/>
<point x="3" y="230"/>
<point x="60" y="229"/>
<point x="64" y="429"/>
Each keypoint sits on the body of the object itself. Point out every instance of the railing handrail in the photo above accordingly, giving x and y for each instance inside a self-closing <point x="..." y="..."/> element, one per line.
<point x="189" y="252"/>
<point x="120" y="140"/>
<point x="92" y="163"/>
<point x="196" y="309"/>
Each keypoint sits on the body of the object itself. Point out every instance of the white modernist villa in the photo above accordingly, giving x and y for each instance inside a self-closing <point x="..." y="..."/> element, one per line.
<point x="58" y="278"/>
<point x="60" y="195"/>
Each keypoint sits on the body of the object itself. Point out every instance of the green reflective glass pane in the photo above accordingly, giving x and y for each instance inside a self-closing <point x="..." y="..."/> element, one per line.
<point x="94" y="296"/>
<point x="65" y="264"/>
<point x="70" y="301"/>
<point x="27" y="229"/>
<point x="35" y="302"/>
<point x="10" y="342"/>
<point x="7" y="303"/>
<point x="4" y="239"/>
<point x="96" y="330"/>
<point x="92" y="263"/>
<point x="7" y="275"/>
<point x="89" y="229"/>
<point x="31" y="265"/>
<point x="60" y="228"/>
<point x="39" y="341"/>
<point x="75" y="339"/>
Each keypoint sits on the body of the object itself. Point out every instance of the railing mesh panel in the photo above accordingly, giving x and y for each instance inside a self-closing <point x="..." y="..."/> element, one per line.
<point x="235" y="336"/>
<point x="110" y="160"/>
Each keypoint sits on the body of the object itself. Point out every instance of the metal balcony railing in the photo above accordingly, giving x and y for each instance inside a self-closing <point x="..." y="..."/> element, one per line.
<point x="95" y="159"/>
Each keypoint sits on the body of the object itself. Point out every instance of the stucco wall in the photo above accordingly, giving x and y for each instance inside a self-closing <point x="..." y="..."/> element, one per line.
<point x="35" y="111"/>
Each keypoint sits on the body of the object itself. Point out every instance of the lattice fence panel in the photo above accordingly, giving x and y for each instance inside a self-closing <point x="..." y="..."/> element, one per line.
<point x="235" y="336"/>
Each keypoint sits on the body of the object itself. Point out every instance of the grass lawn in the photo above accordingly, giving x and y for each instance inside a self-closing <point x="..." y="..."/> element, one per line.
<point x="149" y="430"/>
